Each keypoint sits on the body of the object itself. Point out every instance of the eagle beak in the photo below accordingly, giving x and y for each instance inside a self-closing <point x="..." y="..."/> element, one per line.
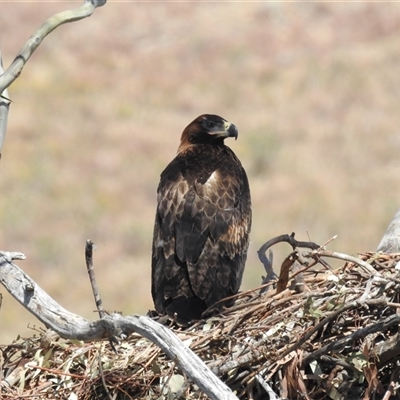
<point x="231" y="130"/>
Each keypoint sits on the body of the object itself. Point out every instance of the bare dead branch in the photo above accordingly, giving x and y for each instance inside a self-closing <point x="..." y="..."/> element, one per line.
<point x="338" y="345"/>
<point x="103" y="381"/>
<point x="388" y="350"/>
<point x="72" y="326"/>
<point x="344" y="257"/>
<point x="92" y="277"/>
<point x="15" y="69"/>
<point x="288" y="239"/>
<point x="267" y="261"/>
<point x="317" y="327"/>
<point x="390" y="242"/>
<point x="4" y="109"/>
<point x="250" y="338"/>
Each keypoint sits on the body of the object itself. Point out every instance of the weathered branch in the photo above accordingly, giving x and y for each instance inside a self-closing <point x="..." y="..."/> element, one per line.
<point x="267" y="261"/>
<point x="338" y="345"/>
<point x="92" y="277"/>
<point x="340" y="256"/>
<point x="15" y="69"/>
<point x="390" y="242"/>
<point x="388" y="349"/>
<point x="4" y="108"/>
<point x="72" y="326"/>
<point x="328" y="318"/>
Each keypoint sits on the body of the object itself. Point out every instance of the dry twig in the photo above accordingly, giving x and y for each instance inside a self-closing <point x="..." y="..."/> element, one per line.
<point x="253" y="345"/>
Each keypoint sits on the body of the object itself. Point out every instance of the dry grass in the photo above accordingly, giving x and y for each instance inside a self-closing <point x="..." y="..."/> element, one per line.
<point x="99" y="109"/>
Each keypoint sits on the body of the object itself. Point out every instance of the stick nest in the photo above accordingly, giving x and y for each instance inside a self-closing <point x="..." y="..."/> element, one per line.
<point x="328" y="334"/>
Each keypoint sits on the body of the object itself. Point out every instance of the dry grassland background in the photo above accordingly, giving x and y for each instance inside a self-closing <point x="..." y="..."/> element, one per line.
<point x="314" y="89"/>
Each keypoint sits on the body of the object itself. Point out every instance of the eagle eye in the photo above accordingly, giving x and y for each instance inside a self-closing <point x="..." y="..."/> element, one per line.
<point x="208" y="124"/>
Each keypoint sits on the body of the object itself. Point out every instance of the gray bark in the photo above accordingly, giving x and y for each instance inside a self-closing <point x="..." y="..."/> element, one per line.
<point x="390" y="242"/>
<point x="72" y="326"/>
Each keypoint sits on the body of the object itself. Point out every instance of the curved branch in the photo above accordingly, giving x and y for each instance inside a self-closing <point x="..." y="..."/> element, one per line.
<point x="72" y="326"/>
<point x="267" y="261"/>
<point x="340" y="256"/>
<point x="15" y="69"/>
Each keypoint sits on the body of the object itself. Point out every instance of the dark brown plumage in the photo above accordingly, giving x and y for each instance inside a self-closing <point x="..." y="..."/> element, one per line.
<point x="203" y="219"/>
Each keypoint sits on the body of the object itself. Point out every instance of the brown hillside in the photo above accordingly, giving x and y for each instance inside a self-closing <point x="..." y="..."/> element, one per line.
<point x="98" y="112"/>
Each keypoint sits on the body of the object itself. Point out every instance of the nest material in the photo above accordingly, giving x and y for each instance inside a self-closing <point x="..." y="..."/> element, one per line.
<point x="334" y="336"/>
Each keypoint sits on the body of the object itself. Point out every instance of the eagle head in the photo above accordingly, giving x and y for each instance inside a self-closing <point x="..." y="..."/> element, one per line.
<point x="207" y="129"/>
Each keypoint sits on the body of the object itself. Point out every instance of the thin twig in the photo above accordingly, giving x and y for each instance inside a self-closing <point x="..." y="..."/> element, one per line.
<point x="328" y="241"/>
<point x="56" y="371"/>
<point x="338" y="345"/>
<point x="92" y="277"/>
<point x="344" y="257"/>
<point x="342" y="363"/>
<point x="103" y="381"/>
<point x="316" y="328"/>
<point x="272" y="395"/>
<point x="333" y="315"/>
<point x="389" y="391"/>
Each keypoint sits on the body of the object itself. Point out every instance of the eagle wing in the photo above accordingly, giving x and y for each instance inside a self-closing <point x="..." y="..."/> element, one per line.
<point x="201" y="231"/>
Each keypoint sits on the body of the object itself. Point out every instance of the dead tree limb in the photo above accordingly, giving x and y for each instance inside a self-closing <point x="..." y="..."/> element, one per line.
<point x="340" y="256"/>
<point x="390" y="242"/>
<point x="339" y="344"/>
<point x="72" y="326"/>
<point x="4" y="108"/>
<point x="92" y="277"/>
<point x="267" y="261"/>
<point x="15" y="69"/>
